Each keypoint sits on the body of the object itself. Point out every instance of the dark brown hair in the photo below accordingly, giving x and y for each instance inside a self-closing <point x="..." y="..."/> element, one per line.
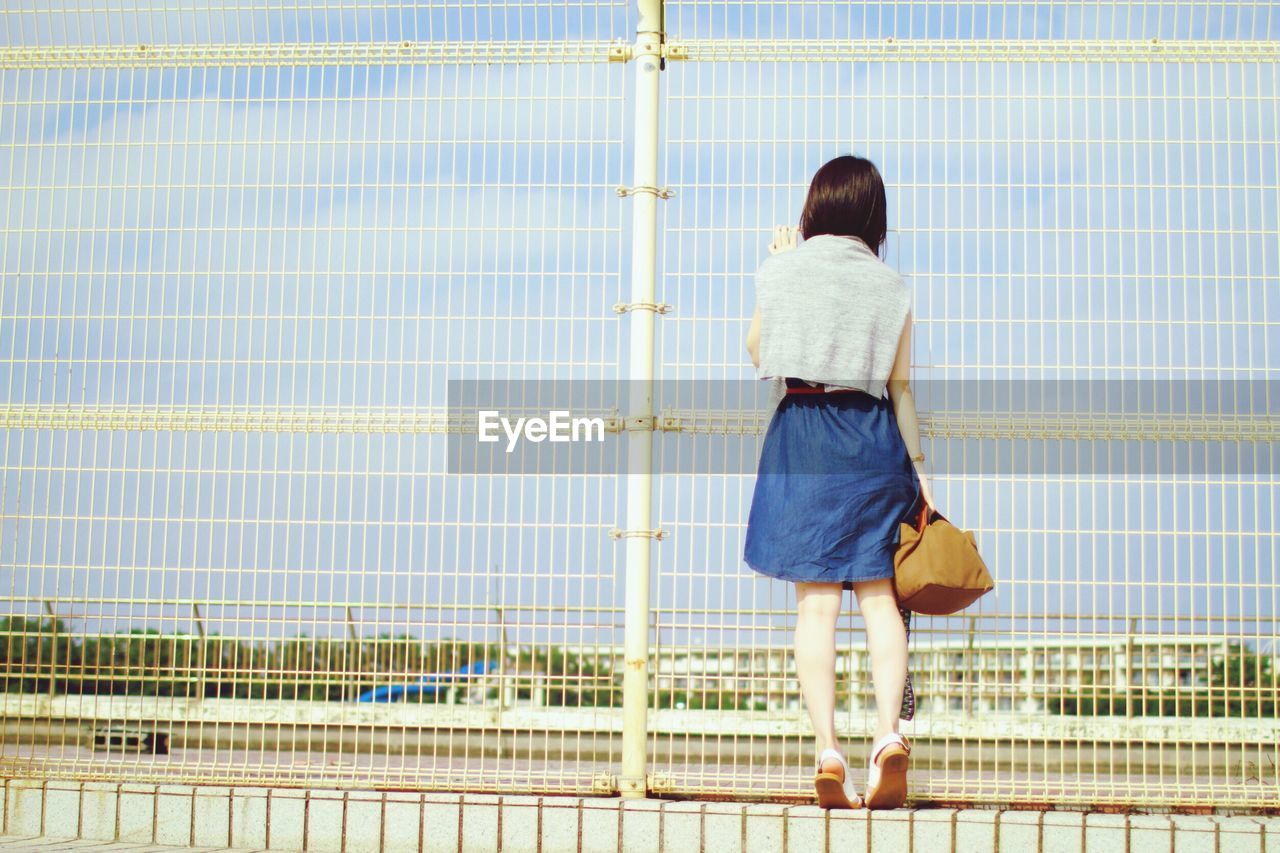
<point x="846" y="197"/>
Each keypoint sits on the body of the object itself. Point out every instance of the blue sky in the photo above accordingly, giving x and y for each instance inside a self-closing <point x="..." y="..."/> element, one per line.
<point x="105" y="22"/>
<point x="354" y="237"/>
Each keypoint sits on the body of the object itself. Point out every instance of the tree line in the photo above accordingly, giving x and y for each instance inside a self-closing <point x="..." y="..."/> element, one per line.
<point x="44" y="656"/>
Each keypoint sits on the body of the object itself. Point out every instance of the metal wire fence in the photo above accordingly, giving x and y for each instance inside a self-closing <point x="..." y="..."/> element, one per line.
<point x="249" y="252"/>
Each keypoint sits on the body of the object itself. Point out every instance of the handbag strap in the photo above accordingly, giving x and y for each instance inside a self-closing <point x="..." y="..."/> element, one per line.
<point x="926" y="514"/>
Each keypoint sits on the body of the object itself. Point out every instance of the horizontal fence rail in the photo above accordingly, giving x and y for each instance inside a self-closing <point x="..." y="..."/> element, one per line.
<point x="302" y="55"/>
<point x="933" y="423"/>
<point x="711" y="50"/>
<point x="247" y="254"/>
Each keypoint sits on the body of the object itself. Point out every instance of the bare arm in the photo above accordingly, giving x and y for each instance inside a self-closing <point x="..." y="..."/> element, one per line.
<point x="904" y="404"/>
<point x="785" y="238"/>
<point x="753" y="338"/>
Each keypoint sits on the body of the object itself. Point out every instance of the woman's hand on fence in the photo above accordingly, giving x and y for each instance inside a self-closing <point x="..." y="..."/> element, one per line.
<point x="784" y="238"/>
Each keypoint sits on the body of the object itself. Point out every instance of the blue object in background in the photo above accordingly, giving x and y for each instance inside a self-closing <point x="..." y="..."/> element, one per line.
<point x="428" y="684"/>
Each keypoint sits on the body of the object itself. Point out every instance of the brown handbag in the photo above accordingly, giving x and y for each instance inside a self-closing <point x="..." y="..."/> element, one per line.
<point x="936" y="569"/>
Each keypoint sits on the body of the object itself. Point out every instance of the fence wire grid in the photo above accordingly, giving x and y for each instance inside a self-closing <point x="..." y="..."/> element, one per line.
<point x="246" y="249"/>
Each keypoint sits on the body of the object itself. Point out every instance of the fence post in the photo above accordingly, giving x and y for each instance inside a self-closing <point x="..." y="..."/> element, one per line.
<point x="53" y="663"/>
<point x="202" y="655"/>
<point x="639" y="422"/>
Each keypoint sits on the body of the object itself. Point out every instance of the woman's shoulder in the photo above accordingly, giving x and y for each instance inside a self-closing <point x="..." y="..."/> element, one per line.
<point x="830" y="258"/>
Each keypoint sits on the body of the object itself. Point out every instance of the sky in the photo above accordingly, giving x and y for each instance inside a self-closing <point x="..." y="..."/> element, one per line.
<point x="349" y="239"/>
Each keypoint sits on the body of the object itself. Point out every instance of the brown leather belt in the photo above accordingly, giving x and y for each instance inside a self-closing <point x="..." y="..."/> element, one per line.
<point x="821" y="389"/>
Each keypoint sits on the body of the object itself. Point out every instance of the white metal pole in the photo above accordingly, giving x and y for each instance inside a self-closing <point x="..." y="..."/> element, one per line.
<point x="639" y="421"/>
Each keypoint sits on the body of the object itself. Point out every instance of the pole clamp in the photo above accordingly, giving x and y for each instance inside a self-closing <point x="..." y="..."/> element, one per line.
<point x="657" y="533"/>
<point x="619" y="51"/>
<point x="603" y="782"/>
<point x="655" y="307"/>
<point x="615" y="423"/>
<point x="631" y="783"/>
<point x="660" y="192"/>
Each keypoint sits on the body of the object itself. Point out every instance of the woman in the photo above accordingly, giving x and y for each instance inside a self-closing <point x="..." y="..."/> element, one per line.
<point x="841" y="465"/>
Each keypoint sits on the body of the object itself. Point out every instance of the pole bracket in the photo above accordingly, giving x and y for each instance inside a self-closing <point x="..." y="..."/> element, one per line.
<point x="633" y="784"/>
<point x="657" y="533"/>
<point x="604" y="782"/>
<point x="641" y="422"/>
<point x="661" y="783"/>
<point x="660" y="192"/>
<point x="619" y="51"/>
<point x="655" y="307"/>
<point x="614" y="423"/>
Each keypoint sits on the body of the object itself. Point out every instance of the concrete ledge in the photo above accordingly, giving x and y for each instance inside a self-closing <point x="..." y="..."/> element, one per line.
<point x="185" y="816"/>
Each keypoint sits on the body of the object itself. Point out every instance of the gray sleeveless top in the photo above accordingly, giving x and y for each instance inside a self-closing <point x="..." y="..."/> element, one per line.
<point x="830" y="311"/>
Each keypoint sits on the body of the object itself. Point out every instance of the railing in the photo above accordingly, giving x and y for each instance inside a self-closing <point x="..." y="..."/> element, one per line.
<point x="249" y="254"/>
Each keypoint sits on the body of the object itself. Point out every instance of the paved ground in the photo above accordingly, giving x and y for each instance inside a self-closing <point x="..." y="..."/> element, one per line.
<point x="582" y="825"/>
<point x="56" y="845"/>
<point x="1072" y="776"/>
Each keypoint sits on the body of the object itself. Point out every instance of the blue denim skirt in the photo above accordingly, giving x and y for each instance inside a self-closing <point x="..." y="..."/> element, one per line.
<point x="833" y="483"/>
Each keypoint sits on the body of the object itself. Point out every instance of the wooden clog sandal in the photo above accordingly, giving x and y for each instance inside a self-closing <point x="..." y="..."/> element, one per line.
<point x="835" y="788"/>
<point x="887" y="773"/>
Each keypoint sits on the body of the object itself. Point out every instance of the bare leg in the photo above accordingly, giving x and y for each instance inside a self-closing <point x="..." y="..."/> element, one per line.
<point x="887" y="646"/>
<point x="819" y="605"/>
